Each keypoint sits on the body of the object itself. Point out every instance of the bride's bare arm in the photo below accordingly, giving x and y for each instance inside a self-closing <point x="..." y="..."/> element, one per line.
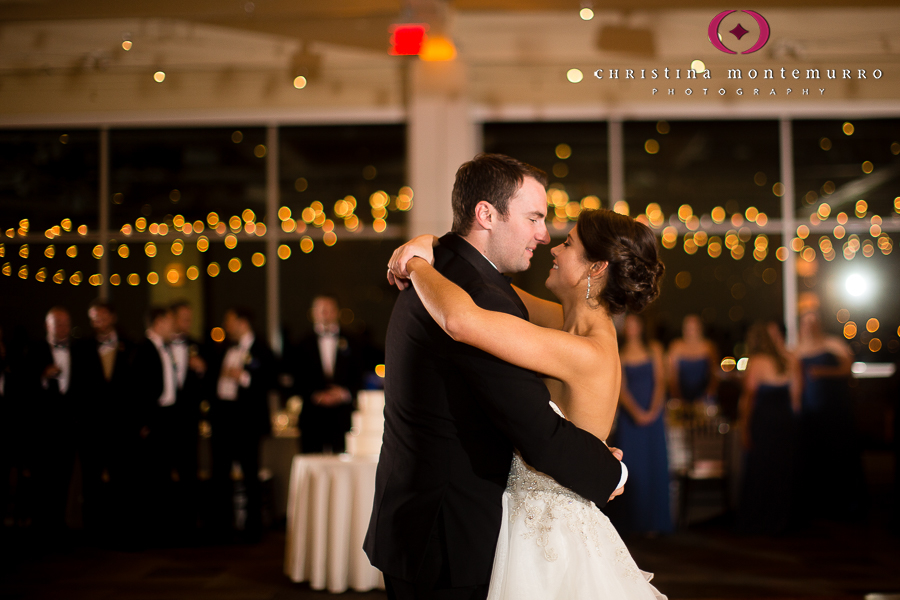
<point x="554" y="353"/>
<point x="543" y="313"/>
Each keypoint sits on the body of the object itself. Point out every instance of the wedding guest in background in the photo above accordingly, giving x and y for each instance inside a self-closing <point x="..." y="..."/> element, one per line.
<point x="190" y="368"/>
<point x="9" y="441"/>
<point x="693" y="363"/>
<point x="827" y="415"/>
<point x="768" y="409"/>
<point x="240" y="417"/>
<point x="158" y="455"/>
<point x="54" y="409"/>
<point x="17" y="446"/>
<point x="328" y="371"/>
<point x="895" y="510"/>
<point x="640" y="431"/>
<point x="189" y="362"/>
<point x="109" y="413"/>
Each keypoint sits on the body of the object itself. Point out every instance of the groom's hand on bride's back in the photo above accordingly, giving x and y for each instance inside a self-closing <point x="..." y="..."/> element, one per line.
<point x="618" y="454"/>
<point x="421" y="246"/>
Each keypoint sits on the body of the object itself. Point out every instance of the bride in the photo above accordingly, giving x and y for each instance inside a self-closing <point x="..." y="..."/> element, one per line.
<point x="553" y="543"/>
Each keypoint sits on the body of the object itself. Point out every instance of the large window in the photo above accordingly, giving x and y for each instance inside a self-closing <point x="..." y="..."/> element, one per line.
<point x="574" y="155"/>
<point x="702" y="164"/>
<point x="847" y="194"/>
<point x="703" y="186"/>
<point x="329" y="164"/>
<point x="48" y="177"/>
<point x="159" y="173"/>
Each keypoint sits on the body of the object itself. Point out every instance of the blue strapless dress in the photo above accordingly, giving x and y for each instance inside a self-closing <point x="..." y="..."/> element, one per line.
<point x="645" y="505"/>
<point x="693" y="378"/>
<point x="830" y="456"/>
<point x="768" y="487"/>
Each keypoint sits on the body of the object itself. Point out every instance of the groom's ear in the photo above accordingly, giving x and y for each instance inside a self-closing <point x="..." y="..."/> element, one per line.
<point x="484" y="215"/>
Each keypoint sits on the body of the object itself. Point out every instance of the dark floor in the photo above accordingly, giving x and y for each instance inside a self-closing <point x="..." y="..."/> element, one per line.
<point x="829" y="561"/>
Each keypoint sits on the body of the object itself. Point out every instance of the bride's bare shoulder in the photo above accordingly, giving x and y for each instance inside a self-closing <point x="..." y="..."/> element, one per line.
<point x="600" y="366"/>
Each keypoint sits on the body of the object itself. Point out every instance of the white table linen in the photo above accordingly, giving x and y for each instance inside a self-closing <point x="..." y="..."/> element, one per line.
<point x="329" y="503"/>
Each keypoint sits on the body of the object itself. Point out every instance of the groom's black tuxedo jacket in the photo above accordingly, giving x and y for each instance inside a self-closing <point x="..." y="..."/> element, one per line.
<point x="453" y="416"/>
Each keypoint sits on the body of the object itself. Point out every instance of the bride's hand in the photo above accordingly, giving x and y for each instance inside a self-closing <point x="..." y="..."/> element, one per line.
<point x="421" y="246"/>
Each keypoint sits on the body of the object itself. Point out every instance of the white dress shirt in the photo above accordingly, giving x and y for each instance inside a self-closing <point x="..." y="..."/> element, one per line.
<point x="181" y="354"/>
<point x="328" y="347"/>
<point x="236" y="357"/>
<point x="62" y="358"/>
<point x="168" y="366"/>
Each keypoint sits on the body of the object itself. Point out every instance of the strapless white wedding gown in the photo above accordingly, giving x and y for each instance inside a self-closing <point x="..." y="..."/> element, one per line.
<point x="556" y="545"/>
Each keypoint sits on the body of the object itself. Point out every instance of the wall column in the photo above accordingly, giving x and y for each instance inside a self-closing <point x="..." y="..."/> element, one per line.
<point x="616" y="151"/>
<point x="273" y="282"/>
<point x="788" y="229"/>
<point x="440" y="137"/>
<point x="103" y="193"/>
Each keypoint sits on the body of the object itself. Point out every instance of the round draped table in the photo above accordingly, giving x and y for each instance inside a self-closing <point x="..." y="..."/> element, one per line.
<point x="329" y="503"/>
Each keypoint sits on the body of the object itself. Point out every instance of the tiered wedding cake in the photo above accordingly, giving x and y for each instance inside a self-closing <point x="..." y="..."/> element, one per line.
<point x="368" y="424"/>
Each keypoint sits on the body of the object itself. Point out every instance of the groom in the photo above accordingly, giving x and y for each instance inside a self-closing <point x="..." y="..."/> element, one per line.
<point x="454" y="414"/>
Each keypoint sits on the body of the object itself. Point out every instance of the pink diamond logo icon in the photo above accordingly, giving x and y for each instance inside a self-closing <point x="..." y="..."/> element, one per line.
<point x="739" y="31"/>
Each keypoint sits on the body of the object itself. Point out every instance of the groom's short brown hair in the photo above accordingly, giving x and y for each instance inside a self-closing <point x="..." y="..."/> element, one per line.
<point x="494" y="178"/>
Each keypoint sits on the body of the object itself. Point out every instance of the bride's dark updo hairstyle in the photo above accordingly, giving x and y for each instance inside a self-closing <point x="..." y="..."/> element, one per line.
<point x="634" y="272"/>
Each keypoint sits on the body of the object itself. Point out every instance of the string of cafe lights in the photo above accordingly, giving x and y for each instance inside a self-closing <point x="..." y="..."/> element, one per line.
<point x="685" y="223"/>
<point x="311" y="218"/>
<point x="563" y="212"/>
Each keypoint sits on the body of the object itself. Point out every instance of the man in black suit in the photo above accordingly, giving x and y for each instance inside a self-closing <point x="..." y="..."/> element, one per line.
<point x="160" y="451"/>
<point x="454" y="414"/>
<point x="190" y="365"/>
<point x="191" y="370"/>
<point x="56" y="406"/>
<point x="240" y="417"/>
<point x="328" y="369"/>
<point x="109" y="413"/>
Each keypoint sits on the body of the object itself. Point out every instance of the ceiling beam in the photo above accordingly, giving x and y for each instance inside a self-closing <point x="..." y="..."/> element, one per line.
<point x="200" y="10"/>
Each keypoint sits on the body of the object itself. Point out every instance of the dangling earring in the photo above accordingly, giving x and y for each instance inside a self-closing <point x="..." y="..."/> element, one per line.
<point x="588" y="295"/>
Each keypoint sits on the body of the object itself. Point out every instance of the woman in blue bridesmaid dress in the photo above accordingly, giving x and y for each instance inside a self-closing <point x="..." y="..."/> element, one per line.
<point x="827" y="415"/>
<point x="641" y="432"/>
<point x="693" y="363"/>
<point x="768" y="410"/>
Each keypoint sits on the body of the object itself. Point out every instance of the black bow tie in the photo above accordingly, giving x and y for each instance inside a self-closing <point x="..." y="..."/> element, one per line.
<point x="61" y="346"/>
<point x="507" y="278"/>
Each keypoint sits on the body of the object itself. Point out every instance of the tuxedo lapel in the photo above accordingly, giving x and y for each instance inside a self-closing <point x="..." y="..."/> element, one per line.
<point x="467" y="252"/>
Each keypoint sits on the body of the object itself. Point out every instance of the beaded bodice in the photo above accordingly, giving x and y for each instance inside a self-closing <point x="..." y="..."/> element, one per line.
<point x="544" y="503"/>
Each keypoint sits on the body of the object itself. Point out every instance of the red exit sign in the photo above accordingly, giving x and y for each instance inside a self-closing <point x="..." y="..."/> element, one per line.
<point x="407" y="39"/>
